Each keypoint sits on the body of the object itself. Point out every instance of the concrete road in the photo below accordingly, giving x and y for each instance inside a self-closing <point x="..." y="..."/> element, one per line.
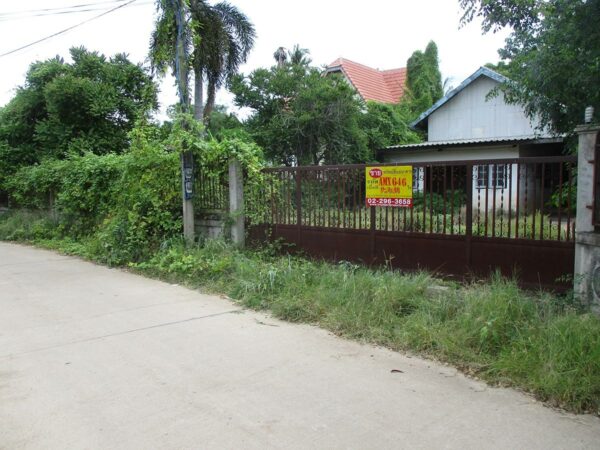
<point x="97" y="358"/>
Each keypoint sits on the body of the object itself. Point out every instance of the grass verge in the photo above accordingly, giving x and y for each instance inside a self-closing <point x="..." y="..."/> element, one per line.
<point x="538" y="342"/>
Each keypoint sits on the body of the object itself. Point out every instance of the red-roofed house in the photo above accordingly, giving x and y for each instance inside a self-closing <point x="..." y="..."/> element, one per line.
<point x="384" y="86"/>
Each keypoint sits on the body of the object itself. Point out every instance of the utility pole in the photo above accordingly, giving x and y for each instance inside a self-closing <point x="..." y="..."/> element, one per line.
<point x="187" y="158"/>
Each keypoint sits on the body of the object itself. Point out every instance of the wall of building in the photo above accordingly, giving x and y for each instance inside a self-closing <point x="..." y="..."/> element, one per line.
<point x="469" y="116"/>
<point x="505" y="198"/>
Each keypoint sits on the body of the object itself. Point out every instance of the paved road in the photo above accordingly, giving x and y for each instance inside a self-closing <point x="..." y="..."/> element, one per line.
<point x="97" y="358"/>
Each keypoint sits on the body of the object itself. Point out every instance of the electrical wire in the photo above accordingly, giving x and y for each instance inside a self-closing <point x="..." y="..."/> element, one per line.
<point x="67" y="29"/>
<point x="57" y="13"/>
<point x="60" y="8"/>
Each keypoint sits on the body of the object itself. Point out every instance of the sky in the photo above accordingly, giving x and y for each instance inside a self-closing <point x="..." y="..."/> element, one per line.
<point x="378" y="33"/>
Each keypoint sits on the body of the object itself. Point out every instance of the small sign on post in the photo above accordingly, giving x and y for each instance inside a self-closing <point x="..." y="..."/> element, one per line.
<point x="187" y="181"/>
<point x="188" y="175"/>
<point x="389" y="186"/>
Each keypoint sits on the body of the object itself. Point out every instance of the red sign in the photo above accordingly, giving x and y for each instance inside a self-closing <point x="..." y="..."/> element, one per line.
<point x="375" y="173"/>
<point x="399" y="202"/>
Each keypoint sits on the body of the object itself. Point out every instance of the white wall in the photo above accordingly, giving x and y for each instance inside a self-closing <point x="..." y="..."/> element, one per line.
<point x="506" y="197"/>
<point x="469" y="116"/>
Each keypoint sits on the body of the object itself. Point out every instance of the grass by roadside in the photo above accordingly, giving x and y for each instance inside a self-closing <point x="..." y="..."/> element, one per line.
<point x="541" y="343"/>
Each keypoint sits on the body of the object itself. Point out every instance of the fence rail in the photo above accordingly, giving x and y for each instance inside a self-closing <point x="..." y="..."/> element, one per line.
<point x="211" y="191"/>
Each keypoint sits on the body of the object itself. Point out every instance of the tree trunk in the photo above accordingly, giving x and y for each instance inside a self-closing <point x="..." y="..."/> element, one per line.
<point x="181" y="73"/>
<point x="210" y="101"/>
<point x="198" y="94"/>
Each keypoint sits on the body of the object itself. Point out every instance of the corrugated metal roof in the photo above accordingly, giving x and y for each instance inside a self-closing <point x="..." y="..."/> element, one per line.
<point x="468" y="142"/>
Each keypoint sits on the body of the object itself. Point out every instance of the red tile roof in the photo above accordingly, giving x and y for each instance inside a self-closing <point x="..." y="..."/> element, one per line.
<point x="385" y="86"/>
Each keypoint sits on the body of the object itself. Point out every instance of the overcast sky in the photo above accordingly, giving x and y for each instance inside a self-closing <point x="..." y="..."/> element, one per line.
<point x="378" y="33"/>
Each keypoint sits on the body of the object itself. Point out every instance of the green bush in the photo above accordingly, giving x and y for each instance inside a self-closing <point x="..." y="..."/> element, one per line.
<point x="435" y="202"/>
<point x="126" y="204"/>
<point x="28" y="225"/>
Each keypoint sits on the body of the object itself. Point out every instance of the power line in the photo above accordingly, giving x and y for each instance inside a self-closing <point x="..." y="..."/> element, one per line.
<point x="67" y="29"/>
<point x="57" y="13"/>
<point x="82" y="5"/>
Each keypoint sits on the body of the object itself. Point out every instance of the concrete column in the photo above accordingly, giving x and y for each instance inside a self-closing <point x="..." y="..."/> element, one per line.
<point x="587" y="240"/>
<point x="187" y="188"/>
<point x="586" y="153"/>
<point x="236" y="202"/>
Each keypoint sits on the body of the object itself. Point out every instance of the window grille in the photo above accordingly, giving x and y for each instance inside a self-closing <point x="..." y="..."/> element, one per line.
<point x="490" y="176"/>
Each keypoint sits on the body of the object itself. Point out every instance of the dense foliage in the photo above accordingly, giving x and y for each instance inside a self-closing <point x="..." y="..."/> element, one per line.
<point x="127" y="204"/>
<point x="386" y="124"/>
<point x="301" y="117"/>
<point x="423" y="80"/>
<point x="90" y="105"/>
<point x="552" y="55"/>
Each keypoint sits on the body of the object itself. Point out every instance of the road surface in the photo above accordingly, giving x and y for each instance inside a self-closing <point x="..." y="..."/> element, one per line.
<point x="98" y="358"/>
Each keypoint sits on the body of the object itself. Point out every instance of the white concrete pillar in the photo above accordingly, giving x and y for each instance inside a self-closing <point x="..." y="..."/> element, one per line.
<point x="587" y="240"/>
<point x="236" y="202"/>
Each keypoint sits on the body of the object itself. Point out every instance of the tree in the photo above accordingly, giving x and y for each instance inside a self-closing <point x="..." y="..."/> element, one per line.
<point x="280" y="56"/>
<point x="301" y="117"/>
<point x="386" y="125"/>
<point x="299" y="56"/>
<point x="552" y="55"/>
<point x="423" y="80"/>
<point x="218" y="38"/>
<point x="90" y="104"/>
<point x="296" y="56"/>
<point x="224" y="124"/>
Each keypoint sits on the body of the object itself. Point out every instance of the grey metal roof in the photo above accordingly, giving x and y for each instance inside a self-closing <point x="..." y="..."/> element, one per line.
<point x="532" y="139"/>
<point x="482" y="71"/>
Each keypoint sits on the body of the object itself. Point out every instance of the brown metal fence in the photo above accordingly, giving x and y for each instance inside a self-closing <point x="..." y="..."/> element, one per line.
<point x="512" y="215"/>
<point x="211" y="191"/>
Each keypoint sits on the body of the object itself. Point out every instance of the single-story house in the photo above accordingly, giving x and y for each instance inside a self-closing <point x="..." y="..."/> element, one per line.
<point x="468" y="124"/>
<point x="383" y="86"/>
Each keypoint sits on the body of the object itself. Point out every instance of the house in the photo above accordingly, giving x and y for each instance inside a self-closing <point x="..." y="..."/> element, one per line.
<point x="383" y="86"/>
<point x="468" y="124"/>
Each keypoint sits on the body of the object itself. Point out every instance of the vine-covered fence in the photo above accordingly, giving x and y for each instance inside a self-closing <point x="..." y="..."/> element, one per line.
<point x="468" y="218"/>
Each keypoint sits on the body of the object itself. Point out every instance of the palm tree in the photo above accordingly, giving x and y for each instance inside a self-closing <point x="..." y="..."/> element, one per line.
<point x="280" y="56"/>
<point x="225" y="37"/>
<point x="170" y="45"/>
<point x="299" y="56"/>
<point x="219" y="38"/>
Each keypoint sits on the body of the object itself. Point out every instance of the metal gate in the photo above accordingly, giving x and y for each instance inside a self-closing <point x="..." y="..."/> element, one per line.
<point x="469" y="218"/>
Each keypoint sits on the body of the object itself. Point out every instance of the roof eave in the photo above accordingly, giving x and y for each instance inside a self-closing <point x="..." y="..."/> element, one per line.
<point x="477" y="142"/>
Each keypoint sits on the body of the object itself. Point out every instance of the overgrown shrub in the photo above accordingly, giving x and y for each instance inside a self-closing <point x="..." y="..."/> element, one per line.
<point x="128" y="204"/>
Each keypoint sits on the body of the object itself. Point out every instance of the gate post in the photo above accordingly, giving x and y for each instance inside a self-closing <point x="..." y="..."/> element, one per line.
<point x="299" y="205"/>
<point x="587" y="240"/>
<point x="469" y="213"/>
<point x="236" y="202"/>
<point x="187" y="187"/>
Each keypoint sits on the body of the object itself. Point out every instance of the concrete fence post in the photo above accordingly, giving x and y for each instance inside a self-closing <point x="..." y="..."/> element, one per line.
<point x="187" y="191"/>
<point x="236" y="202"/>
<point x="587" y="240"/>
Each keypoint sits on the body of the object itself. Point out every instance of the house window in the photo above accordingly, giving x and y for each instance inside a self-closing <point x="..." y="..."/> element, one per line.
<point x="490" y="176"/>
